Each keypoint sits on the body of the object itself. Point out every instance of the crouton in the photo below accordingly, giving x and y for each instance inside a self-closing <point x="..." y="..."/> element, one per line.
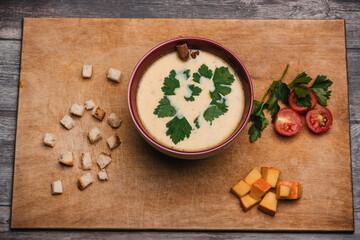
<point x="77" y="110"/>
<point x="89" y="105"/>
<point x="84" y="181"/>
<point x="94" y="135"/>
<point x="86" y="161"/>
<point x="114" y="75"/>
<point x="183" y="51"/>
<point x="49" y="139"/>
<point x="87" y="71"/>
<point x="113" y="141"/>
<point x="102" y="175"/>
<point x="103" y="160"/>
<point x="67" y="159"/>
<point x="56" y="187"/>
<point x="98" y="113"/>
<point x="67" y="122"/>
<point x="114" y="121"/>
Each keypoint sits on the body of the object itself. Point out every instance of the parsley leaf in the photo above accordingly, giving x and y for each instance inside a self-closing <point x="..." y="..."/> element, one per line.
<point x="196" y="77"/>
<point x="283" y="93"/>
<point x="222" y="75"/>
<point x="187" y="73"/>
<point x="215" y="110"/>
<point x="195" y="91"/>
<point x="320" y="87"/>
<point x="205" y="71"/>
<point x="259" y="121"/>
<point x="178" y="129"/>
<point x="170" y="84"/>
<point x="222" y="80"/>
<point x="219" y="92"/>
<point x="165" y="109"/>
<point x="196" y="121"/>
<point x="302" y="78"/>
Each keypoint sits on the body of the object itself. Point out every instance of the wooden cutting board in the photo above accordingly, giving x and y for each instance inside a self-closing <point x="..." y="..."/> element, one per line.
<point x="148" y="190"/>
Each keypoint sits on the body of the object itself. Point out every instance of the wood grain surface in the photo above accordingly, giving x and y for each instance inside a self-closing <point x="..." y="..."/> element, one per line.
<point x="11" y="17"/>
<point x="146" y="189"/>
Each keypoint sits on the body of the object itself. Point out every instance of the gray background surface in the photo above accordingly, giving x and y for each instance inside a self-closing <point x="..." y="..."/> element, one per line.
<point x="12" y="12"/>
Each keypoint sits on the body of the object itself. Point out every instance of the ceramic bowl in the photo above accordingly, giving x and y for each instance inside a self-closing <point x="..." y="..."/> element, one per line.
<point x="193" y="43"/>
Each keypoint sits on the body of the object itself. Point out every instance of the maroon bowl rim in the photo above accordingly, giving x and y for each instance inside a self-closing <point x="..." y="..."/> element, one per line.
<point x="174" y="151"/>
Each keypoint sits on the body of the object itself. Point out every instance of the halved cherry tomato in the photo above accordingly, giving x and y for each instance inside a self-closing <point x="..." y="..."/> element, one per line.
<point x="299" y="109"/>
<point x="287" y="122"/>
<point x="319" y="119"/>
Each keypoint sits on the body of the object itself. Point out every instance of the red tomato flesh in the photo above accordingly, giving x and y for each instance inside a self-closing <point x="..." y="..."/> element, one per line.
<point x="287" y="122"/>
<point x="296" y="107"/>
<point x="319" y="119"/>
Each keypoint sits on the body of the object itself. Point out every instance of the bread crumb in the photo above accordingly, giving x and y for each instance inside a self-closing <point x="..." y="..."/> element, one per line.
<point x="86" y="161"/>
<point x="113" y="141"/>
<point x="103" y="160"/>
<point x="114" y="121"/>
<point x="49" y="139"/>
<point x="94" y="135"/>
<point x="84" y="181"/>
<point x="87" y="71"/>
<point x="67" y="122"/>
<point x="114" y="75"/>
<point x="98" y="113"/>
<point x="56" y="187"/>
<point x="89" y="105"/>
<point x="67" y="159"/>
<point x="102" y="175"/>
<point x="77" y="110"/>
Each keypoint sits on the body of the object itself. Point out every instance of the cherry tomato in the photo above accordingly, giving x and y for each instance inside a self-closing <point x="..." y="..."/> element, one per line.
<point x="299" y="109"/>
<point x="287" y="122"/>
<point x="319" y="119"/>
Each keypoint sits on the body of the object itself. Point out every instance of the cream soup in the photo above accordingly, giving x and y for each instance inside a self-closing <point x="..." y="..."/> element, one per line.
<point x="186" y="106"/>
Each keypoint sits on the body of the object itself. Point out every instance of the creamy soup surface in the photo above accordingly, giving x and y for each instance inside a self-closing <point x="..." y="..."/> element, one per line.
<point x="208" y="134"/>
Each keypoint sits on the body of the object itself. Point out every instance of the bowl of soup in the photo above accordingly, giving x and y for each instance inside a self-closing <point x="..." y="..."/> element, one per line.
<point x="190" y="106"/>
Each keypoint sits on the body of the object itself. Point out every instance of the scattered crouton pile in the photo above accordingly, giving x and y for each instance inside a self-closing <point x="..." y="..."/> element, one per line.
<point x="94" y="135"/>
<point x="256" y="185"/>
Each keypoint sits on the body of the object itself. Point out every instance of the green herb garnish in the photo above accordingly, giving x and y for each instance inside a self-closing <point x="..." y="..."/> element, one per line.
<point x="222" y="80"/>
<point x="196" y="122"/>
<point x="195" y="91"/>
<point x="165" y="109"/>
<point x="170" y="84"/>
<point x="178" y="129"/>
<point x="205" y="71"/>
<point x="215" y="110"/>
<point x="187" y="73"/>
<point x="281" y="91"/>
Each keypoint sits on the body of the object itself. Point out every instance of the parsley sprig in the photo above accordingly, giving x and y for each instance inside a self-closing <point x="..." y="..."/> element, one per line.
<point x="195" y="91"/>
<point x="281" y="91"/>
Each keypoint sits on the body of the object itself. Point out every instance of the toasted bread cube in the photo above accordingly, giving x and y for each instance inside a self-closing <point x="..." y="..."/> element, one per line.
<point x="259" y="188"/>
<point x="248" y="202"/>
<point x="84" y="181"/>
<point x="271" y="175"/>
<point x="296" y="189"/>
<point x="67" y="159"/>
<point x="89" y="104"/>
<point x="114" y="121"/>
<point x="268" y="204"/>
<point x="240" y="189"/>
<point x="49" y="139"/>
<point x="87" y="71"/>
<point x="77" y="110"/>
<point x="103" y="160"/>
<point x="283" y="191"/>
<point x="102" y="175"/>
<point x="94" y="135"/>
<point x="252" y="177"/>
<point x="98" y="113"/>
<point x="113" y="141"/>
<point x="86" y="161"/>
<point x="114" y="75"/>
<point x="56" y="187"/>
<point x="67" y="122"/>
